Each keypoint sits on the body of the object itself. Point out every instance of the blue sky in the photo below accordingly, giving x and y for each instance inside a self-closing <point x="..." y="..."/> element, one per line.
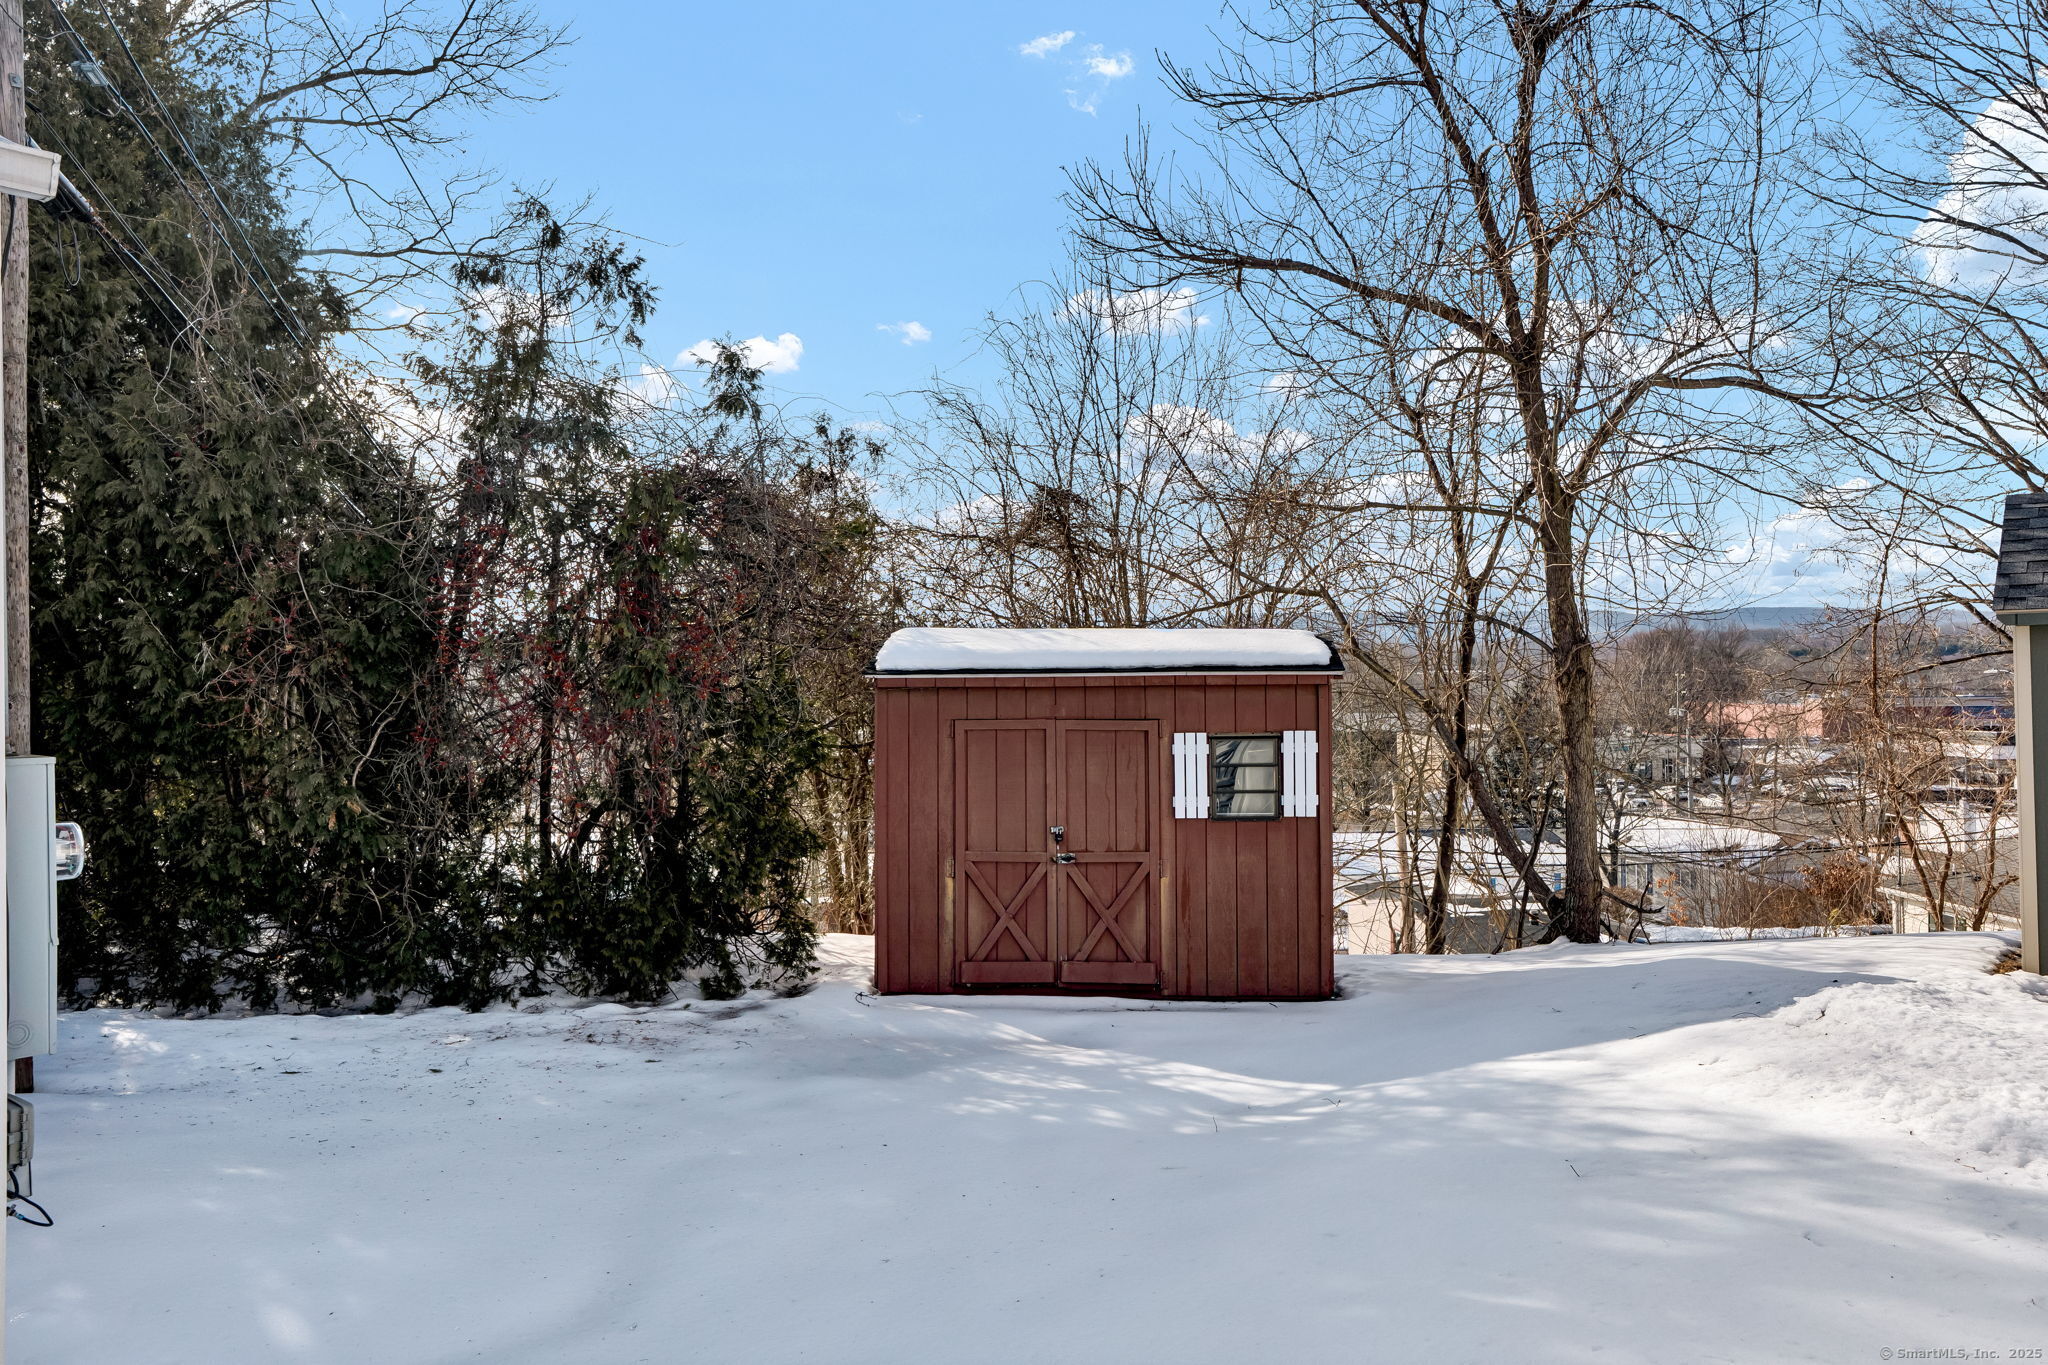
<point x="827" y="170"/>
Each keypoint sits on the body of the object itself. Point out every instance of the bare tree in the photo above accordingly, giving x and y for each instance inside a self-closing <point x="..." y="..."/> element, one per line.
<point x="1116" y="473"/>
<point x="1942" y="183"/>
<point x="1573" y="200"/>
<point x="367" y="104"/>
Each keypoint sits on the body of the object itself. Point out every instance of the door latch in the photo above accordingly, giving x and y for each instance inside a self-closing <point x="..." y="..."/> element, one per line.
<point x="1063" y="857"/>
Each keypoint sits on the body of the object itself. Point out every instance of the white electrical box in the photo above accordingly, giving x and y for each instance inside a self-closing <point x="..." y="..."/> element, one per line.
<point x="31" y="906"/>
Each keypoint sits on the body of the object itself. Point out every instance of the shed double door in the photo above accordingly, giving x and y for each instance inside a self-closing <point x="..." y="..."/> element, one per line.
<point x="1056" y="852"/>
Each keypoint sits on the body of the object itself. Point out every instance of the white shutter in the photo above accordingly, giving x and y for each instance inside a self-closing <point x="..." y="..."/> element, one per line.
<point x="1288" y="782"/>
<point x="1191" y="776"/>
<point x="1290" y="772"/>
<point x="1298" y="794"/>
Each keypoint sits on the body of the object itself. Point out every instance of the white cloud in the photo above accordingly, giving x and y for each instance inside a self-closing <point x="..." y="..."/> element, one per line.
<point x="1818" y="551"/>
<point x="496" y="306"/>
<point x="1096" y="69"/>
<point x="1091" y="68"/>
<point x="654" y="386"/>
<point x="1046" y="44"/>
<point x="1140" y="310"/>
<point x="911" y="332"/>
<point x="1109" y="68"/>
<point x="431" y="432"/>
<point x="779" y="356"/>
<point x="2000" y="179"/>
<point x="1204" y="440"/>
<point x="1282" y="440"/>
<point x="1177" y="426"/>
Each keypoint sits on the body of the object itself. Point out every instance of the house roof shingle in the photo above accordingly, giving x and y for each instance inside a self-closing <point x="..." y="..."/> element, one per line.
<point x="2022" y="583"/>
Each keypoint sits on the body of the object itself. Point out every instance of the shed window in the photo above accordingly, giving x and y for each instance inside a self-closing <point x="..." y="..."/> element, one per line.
<point x="1244" y="777"/>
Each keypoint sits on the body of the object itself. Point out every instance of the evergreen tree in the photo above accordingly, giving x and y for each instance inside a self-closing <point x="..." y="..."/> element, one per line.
<point x="513" y="699"/>
<point x="224" y="650"/>
<point x="619" y="619"/>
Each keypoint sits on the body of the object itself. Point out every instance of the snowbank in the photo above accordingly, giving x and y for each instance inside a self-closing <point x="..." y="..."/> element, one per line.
<point x="1691" y="838"/>
<point x="1795" y="1150"/>
<point x="932" y="650"/>
<point x="1711" y="933"/>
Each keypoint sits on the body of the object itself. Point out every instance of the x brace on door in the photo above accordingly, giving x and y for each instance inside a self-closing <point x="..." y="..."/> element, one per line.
<point x="1107" y="916"/>
<point x="1006" y="913"/>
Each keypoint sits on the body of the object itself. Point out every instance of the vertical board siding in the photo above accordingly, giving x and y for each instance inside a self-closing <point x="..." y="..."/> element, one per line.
<point x="894" y="746"/>
<point x="952" y="706"/>
<point x="927" y="855"/>
<point x="1243" y="906"/>
<point x="1252" y="870"/>
<point x="1323" y="904"/>
<point x="1191" y="713"/>
<point x="887" y="932"/>
<point x="1283" y="926"/>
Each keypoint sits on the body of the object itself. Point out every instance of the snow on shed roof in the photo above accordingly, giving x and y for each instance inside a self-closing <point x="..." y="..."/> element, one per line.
<point x="990" y="650"/>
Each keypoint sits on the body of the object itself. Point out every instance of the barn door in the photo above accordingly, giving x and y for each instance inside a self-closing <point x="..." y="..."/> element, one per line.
<point x="1107" y="892"/>
<point x="1056" y="852"/>
<point x="1002" y="859"/>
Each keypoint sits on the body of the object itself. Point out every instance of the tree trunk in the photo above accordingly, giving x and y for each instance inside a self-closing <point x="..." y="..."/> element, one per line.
<point x="1577" y="915"/>
<point x="1437" y="922"/>
<point x="1437" y="913"/>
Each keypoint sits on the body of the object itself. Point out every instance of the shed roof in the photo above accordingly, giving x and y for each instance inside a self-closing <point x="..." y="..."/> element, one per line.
<point x="992" y="650"/>
<point x="2022" y="583"/>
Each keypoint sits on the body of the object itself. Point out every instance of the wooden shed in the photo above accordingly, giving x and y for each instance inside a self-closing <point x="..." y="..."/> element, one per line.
<point x="1104" y="810"/>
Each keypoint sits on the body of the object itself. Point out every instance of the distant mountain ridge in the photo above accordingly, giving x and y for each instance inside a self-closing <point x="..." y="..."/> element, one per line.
<point x="1726" y="618"/>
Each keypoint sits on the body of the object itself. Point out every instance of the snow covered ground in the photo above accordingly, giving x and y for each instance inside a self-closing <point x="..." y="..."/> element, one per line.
<point x="1766" y="1151"/>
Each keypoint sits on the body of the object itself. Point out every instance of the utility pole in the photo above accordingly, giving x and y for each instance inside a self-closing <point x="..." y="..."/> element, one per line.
<point x="13" y="481"/>
<point x="14" y="369"/>
<point x="14" y="406"/>
<point x="25" y="174"/>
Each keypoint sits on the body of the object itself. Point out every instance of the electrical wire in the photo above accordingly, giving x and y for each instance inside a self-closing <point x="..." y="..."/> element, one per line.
<point x="289" y="323"/>
<point x="272" y="297"/>
<point x="7" y="244"/>
<point x="15" y="1196"/>
<point x="134" y="254"/>
<point x="136" y="257"/>
<point x="45" y="1222"/>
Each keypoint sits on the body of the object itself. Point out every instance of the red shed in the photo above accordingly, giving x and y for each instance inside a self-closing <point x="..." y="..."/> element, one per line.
<point x="1128" y="810"/>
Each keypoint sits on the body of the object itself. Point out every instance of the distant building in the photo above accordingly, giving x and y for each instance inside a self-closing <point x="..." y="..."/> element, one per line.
<point x="1654" y="760"/>
<point x="1773" y="722"/>
<point x="1972" y="711"/>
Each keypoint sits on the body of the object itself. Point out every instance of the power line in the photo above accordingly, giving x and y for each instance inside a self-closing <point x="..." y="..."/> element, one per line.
<point x="137" y="257"/>
<point x="140" y="259"/>
<point x="132" y="254"/>
<point x="85" y="53"/>
<point x="171" y="122"/>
